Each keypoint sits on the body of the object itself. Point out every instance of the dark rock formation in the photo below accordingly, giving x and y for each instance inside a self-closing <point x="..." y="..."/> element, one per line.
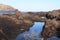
<point x="13" y="24"/>
<point x="52" y="26"/>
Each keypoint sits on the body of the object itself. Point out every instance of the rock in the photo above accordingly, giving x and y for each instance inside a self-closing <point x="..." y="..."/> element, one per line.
<point x="6" y="8"/>
<point x="52" y="25"/>
<point x="13" y="24"/>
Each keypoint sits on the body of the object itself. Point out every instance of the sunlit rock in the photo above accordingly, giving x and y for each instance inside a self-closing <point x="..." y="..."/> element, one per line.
<point x="52" y="25"/>
<point x="13" y="24"/>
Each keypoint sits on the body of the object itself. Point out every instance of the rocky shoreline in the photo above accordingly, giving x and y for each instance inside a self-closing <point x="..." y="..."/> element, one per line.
<point x="14" y="24"/>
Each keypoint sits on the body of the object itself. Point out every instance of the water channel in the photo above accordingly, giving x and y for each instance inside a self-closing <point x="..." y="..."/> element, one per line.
<point x="34" y="33"/>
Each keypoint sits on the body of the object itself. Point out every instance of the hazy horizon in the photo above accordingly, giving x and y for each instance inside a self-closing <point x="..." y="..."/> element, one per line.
<point x="33" y="5"/>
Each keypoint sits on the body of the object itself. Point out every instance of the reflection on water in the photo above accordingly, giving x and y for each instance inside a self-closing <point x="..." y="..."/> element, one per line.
<point x="53" y="38"/>
<point x="34" y="33"/>
<point x="37" y="27"/>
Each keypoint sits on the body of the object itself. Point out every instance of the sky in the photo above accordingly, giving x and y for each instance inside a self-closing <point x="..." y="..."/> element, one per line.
<point x="33" y="5"/>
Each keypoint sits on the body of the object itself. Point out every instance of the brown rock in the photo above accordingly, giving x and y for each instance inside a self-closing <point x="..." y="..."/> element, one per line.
<point x="13" y="24"/>
<point x="52" y="25"/>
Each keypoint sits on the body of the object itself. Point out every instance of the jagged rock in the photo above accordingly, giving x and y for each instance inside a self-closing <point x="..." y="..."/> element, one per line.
<point x="52" y="25"/>
<point x="13" y="24"/>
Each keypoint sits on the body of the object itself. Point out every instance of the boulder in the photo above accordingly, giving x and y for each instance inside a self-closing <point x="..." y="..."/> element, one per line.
<point x="52" y="25"/>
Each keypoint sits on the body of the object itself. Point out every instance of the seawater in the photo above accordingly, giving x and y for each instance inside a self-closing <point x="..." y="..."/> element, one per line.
<point x="34" y="33"/>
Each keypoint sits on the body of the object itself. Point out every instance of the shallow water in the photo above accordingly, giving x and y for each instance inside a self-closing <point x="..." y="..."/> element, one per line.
<point x="34" y="33"/>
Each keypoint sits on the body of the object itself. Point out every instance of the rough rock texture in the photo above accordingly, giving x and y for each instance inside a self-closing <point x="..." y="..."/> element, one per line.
<point x="13" y="24"/>
<point x="52" y="25"/>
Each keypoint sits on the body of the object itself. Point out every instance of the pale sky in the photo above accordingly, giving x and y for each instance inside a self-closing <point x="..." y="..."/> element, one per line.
<point x="33" y="5"/>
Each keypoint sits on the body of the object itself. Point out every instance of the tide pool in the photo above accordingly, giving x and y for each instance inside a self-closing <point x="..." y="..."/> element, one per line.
<point x="34" y="33"/>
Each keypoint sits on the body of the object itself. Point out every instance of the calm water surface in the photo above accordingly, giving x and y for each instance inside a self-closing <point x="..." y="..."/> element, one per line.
<point x="34" y="33"/>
